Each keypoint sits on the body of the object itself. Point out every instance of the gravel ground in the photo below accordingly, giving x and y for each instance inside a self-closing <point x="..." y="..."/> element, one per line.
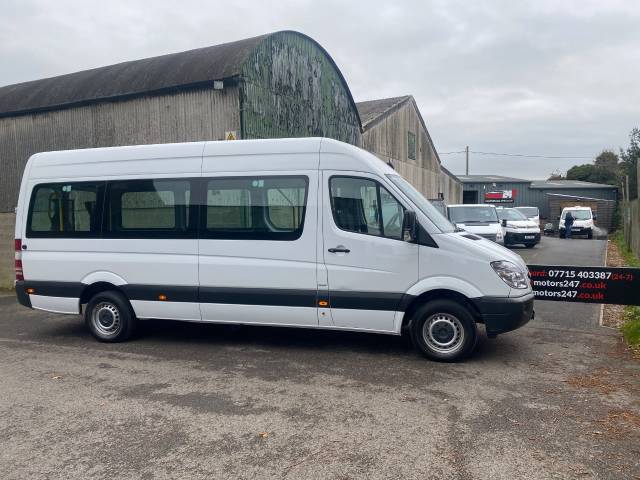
<point x="559" y="398"/>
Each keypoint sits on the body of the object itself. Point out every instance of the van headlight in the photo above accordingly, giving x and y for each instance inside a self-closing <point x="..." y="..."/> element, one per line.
<point x="510" y="274"/>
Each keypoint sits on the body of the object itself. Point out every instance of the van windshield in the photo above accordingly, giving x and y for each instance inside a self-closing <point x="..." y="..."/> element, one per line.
<point x="423" y="204"/>
<point x="528" y="211"/>
<point x="473" y="214"/>
<point x="510" y="214"/>
<point x="578" y="214"/>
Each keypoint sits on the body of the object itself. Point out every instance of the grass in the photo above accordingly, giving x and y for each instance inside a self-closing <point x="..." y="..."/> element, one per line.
<point x="631" y="328"/>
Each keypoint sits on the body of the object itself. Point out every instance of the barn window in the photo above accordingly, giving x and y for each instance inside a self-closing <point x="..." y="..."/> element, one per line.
<point x="411" y="145"/>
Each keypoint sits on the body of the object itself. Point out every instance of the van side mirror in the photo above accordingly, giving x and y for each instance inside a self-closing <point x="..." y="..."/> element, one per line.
<point x="409" y="226"/>
<point x="504" y="222"/>
<point x="595" y="217"/>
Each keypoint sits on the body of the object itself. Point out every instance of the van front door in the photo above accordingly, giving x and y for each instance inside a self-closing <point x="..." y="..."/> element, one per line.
<point x="368" y="264"/>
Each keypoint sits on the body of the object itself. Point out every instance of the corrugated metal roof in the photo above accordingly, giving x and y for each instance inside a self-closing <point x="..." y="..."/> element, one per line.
<point x="578" y="197"/>
<point x="490" y="179"/>
<point x="564" y="184"/>
<point x="137" y="77"/>
<point x="371" y="110"/>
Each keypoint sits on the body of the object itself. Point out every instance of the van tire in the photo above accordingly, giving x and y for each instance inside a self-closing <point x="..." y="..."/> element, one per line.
<point x="456" y="322"/>
<point x="109" y="317"/>
<point x="529" y="245"/>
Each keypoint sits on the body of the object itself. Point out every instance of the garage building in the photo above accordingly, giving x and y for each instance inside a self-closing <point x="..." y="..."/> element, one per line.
<point x="548" y="195"/>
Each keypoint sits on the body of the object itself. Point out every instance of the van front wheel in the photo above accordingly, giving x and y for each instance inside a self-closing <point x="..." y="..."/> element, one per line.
<point x="443" y="330"/>
<point x="109" y="317"/>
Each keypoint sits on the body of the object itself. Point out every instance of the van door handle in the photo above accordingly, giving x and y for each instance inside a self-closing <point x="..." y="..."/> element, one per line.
<point x="339" y="249"/>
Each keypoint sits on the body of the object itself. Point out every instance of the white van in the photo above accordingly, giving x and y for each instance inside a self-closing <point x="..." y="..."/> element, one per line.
<point x="308" y="233"/>
<point x="583" y="219"/>
<point x="532" y="213"/>
<point x="517" y="228"/>
<point x="481" y="219"/>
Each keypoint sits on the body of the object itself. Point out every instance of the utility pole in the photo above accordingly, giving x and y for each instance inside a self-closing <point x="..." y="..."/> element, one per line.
<point x="467" y="152"/>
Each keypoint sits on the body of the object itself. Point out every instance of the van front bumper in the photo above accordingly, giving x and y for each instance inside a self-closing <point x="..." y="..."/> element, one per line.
<point x="503" y="314"/>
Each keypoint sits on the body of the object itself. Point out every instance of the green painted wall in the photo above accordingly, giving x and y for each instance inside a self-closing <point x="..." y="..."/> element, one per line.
<point x="291" y="88"/>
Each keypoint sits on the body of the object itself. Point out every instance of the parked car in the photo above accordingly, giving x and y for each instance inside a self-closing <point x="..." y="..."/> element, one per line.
<point x="532" y="213"/>
<point x="481" y="219"/>
<point x="304" y="232"/>
<point x="583" y="219"/>
<point x="518" y="229"/>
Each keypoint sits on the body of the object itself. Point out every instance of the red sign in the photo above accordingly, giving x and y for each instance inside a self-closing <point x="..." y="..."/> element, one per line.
<point x="500" y="196"/>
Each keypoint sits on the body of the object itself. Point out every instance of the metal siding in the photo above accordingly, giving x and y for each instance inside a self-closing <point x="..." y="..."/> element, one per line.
<point x="535" y="197"/>
<point x="291" y="88"/>
<point x="204" y="114"/>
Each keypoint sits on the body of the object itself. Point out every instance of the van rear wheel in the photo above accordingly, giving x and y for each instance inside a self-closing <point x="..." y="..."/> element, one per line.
<point x="443" y="330"/>
<point x="109" y="317"/>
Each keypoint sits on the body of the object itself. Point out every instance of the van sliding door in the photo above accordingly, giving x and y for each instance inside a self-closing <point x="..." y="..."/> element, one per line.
<point x="257" y="247"/>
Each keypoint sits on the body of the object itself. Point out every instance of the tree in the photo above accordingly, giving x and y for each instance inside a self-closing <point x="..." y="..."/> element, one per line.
<point x="629" y="164"/>
<point x="590" y="172"/>
<point x="607" y="160"/>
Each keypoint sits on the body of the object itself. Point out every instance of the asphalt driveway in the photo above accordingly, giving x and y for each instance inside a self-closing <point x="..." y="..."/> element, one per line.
<point x="559" y="398"/>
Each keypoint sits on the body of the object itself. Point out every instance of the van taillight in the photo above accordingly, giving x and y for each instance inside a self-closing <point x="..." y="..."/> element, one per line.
<point x="18" y="257"/>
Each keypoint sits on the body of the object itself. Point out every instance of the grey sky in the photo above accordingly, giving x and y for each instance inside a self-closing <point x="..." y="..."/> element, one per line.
<point x="542" y="77"/>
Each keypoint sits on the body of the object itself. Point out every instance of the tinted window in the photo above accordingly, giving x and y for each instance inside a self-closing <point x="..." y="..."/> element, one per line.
<point x="149" y="208"/>
<point x="260" y="208"/>
<point x="65" y="210"/>
<point x="363" y="206"/>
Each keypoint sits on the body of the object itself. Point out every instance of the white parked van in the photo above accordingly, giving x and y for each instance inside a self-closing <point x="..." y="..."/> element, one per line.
<point x="583" y="219"/>
<point x="532" y="213"/>
<point x="481" y="219"/>
<point x="308" y="233"/>
<point x="517" y="228"/>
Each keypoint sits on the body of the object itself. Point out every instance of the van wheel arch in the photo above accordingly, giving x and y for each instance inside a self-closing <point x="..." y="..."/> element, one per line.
<point x="439" y="294"/>
<point x="92" y="290"/>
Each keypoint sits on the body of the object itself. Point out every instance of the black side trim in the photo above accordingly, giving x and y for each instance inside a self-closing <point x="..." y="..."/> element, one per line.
<point x="23" y="296"/>
<point x="259" y="296"/>
<point x="366" y="300"/>
<point x="231" y="295"/>
<point x="54" y="289"/>
<point x="152" y="292"/>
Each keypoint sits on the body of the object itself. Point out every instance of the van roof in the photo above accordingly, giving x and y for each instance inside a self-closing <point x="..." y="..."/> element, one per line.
<point x="180" y="158"/>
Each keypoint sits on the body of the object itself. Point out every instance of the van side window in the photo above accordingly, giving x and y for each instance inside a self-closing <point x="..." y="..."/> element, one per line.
<point x="362" y="205"/>
<point x="141" y="207"/>
<point x="64" y="210"/>
<point x="255" y="208"/>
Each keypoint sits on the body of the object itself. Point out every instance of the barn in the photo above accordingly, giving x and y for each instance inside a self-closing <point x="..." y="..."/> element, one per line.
<point x="282" y="84"/>
<point x="394" y="130"/>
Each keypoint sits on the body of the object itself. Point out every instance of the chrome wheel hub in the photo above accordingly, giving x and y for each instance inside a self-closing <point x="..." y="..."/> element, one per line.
<point x="106" y="319"/>
<point x="443" y="333"/>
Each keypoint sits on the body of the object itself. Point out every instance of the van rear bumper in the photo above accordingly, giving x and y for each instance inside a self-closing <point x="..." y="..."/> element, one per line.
<point x="503" y="314"/>
<point x="23" y="296"/>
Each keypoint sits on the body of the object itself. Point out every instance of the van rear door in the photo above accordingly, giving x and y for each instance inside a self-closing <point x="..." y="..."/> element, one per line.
<point x="369" y="266"/>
